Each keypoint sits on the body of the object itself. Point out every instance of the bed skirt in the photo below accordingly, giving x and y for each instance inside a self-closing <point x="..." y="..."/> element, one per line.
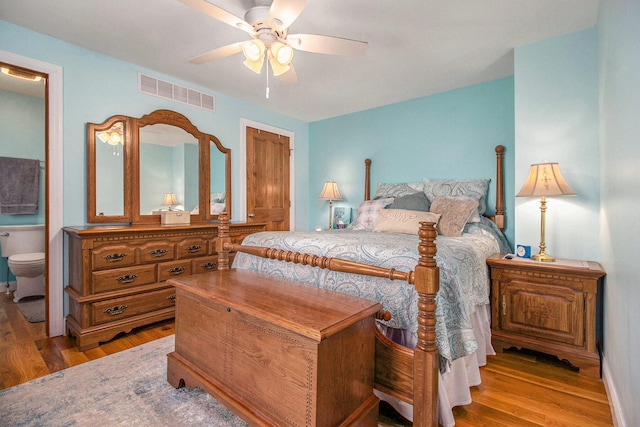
<point x="458" y="377"/>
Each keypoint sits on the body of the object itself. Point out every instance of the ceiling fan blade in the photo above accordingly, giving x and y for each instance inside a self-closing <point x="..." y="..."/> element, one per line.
<point x="290" y="77"/>
<point x="284" y="12"/>
<point x="218" y="13"/>
<point x="221" y="52"/>
<point x="327" y="45"/>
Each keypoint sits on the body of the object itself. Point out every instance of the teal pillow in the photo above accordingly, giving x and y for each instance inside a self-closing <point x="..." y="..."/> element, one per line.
<point x="412" y="202"/>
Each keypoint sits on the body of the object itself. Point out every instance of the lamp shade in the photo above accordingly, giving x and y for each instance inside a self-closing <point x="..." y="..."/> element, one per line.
<point x="169" y="199"/>
<point x="330" y="191"/>
<point x="545" y="179"/>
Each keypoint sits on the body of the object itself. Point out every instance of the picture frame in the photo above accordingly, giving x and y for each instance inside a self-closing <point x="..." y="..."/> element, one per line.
<point x="341" y="217"/>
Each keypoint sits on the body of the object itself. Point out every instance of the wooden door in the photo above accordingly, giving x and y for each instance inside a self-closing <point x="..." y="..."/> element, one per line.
<point x="268" y="198"/>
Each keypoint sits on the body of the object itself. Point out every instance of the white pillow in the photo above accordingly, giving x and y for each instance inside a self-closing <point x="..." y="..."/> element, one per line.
<point x="403" y="221"/>
<point x="368" y="212"/>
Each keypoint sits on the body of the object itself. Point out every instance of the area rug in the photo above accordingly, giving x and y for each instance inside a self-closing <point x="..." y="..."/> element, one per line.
<point x="32" y="308"/>
<point x="124" y="389"/>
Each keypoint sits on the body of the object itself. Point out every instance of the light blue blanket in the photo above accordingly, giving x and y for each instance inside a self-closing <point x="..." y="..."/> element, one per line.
<point x="464" y="281"/>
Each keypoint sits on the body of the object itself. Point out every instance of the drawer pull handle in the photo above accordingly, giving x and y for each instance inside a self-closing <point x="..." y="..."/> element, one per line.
<point x="194" y="248"/>
<point x="176" y="270"/>
<point x="115" y="257"/>
<point x="504" y="305"/>
<point x="115" y="310"/>
<point x="209" y="266"/>
<point x="158" y="253"/>
<point x="172" y="298"/>
<point x="126" y="279"/>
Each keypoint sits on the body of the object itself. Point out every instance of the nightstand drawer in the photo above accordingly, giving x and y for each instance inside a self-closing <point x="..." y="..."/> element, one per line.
<point x="552" y="313"/>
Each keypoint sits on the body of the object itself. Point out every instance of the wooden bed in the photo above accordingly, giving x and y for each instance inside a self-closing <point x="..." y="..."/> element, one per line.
<point x="410" y="375"/>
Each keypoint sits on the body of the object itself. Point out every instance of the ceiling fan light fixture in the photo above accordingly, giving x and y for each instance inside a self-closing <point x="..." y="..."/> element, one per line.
<point x="278" y="68"/>
<point x="255" y="66"/>
<point x="253" y="50"/>
<point x="282" y="53"/>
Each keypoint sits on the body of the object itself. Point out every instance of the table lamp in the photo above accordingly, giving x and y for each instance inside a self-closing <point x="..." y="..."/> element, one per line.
<point x="544" y="180"/>
<point x="330" y="192"/>
<point x="169" y="200"/>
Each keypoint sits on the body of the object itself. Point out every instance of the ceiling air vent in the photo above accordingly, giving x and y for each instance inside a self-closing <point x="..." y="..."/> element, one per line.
<point x="167" y="90"/>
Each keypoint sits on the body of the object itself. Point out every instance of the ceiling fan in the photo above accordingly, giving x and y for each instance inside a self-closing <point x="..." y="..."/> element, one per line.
<point x="268" y="25"/>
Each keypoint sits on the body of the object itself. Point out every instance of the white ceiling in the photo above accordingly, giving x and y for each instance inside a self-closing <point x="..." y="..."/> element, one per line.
<point x="416" y="47"/>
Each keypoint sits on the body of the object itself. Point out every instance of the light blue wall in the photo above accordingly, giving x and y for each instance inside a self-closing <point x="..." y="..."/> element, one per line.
<point x="22" y="136"/>
<point x="556" y="120"/>
<point x="449" y="135"/>
<point x="96" y="87"/>
<point x="619" y="72"/>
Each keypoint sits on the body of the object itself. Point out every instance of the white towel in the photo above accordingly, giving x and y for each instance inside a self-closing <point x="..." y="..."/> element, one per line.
<point x="19" y="185"/>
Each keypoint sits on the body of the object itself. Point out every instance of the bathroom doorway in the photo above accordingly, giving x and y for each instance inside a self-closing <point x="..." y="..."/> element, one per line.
<point x="51" y="95"/>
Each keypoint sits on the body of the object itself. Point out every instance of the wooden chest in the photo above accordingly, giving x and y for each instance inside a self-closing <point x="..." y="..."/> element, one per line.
<point x="118" y="275"/>
<point x="276" y="352"/>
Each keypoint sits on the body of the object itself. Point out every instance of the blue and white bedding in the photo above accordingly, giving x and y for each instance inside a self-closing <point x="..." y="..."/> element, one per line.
<point x="464" y="281"/>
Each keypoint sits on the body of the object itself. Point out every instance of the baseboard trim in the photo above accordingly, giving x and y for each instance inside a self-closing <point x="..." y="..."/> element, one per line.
<point x="614" y="402"/>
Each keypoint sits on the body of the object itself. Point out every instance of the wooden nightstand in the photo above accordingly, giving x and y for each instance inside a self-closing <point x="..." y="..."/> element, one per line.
<point x="551" y="307"/>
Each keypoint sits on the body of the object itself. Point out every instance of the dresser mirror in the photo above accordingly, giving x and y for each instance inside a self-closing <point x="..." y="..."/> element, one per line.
<point x="165" y="163"/>
<point x="109" y="173"/>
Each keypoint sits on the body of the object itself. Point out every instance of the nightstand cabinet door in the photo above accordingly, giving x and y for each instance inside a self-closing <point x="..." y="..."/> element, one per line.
<point x="547" y="311"/>
<point x="550" y="307"/>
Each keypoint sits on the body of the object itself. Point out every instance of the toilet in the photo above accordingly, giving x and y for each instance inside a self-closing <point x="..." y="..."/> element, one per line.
<point x="23" y="245"/>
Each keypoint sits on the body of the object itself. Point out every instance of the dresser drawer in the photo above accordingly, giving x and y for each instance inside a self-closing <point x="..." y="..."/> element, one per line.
<point x="113" y="256"/>
<point x="122" y="308"/>
<point x="157" y="251"/>
<point x="204" y="265"/>
<point x="168" y="270"/>
<point x="122" y="278"/>
<point x="191" y="248"/>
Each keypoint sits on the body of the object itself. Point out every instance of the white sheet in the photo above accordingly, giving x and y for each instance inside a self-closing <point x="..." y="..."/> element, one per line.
<point x="454" y="384"/>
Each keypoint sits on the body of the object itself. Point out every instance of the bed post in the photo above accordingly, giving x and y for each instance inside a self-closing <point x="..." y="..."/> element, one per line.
<point x="223" y="237"/>
<point x="367" y="179"/>
<point x="499" y="217"/>
<point x="425" y="356"/>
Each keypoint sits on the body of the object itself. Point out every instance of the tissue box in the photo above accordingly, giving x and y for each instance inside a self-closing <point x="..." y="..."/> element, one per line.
<point x="175" y="218"/>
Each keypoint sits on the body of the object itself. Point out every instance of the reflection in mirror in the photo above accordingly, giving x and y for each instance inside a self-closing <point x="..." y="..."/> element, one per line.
<point x="109" y="171"/>
<point x="168" y="164"/>
<point x="218" y="180"/>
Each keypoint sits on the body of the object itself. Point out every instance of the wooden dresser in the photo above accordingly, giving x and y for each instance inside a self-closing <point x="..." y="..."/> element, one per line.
<point x="117" y="274"/>
<point x="277" y="353"/>
<point x="551" y="307"/>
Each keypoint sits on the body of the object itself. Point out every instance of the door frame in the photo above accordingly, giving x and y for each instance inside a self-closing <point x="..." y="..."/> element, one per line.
<point x="54" y="217"/>
<point x="244" y="124"/>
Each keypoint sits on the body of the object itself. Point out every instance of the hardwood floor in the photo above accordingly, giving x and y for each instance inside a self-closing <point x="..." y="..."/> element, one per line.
<point x="517" y="389"/>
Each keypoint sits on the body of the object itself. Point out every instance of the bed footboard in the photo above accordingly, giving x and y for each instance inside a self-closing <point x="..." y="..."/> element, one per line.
<point x="410" y="375"/>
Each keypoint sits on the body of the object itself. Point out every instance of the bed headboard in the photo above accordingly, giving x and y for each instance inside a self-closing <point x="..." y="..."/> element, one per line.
<point x="498" y="217"/>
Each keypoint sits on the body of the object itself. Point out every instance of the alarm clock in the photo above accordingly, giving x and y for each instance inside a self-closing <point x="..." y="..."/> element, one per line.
<point x="523" y="251"/>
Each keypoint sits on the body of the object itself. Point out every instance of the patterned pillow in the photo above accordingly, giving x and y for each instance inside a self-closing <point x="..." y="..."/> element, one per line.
<point x="454" y="215"/>
<point x="475" y="216"/>
<point x="368" y="212"/>
<point x="451" y="187"/>
<point x="403" y="221"/>
<point x="412" y="202"/>
<point x="397" y="190"/>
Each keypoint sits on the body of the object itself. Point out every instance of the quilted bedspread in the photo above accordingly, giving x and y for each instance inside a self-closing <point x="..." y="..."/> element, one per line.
<point x="464" y="281"/>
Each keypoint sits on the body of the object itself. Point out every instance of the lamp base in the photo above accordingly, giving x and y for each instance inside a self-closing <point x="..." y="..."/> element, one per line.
<point x="542" y="257"/>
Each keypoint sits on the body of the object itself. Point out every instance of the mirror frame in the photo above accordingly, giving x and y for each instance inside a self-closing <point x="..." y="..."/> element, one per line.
<point x="132" y="169"/>
<point x="92" y="130"/>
